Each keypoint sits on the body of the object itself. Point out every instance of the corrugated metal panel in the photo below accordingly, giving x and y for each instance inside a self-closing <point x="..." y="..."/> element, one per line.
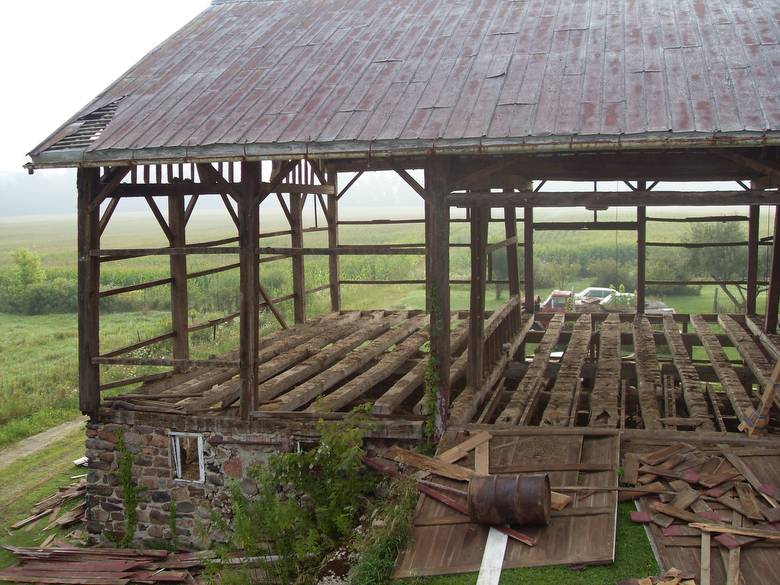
<point x="284" y="75"/>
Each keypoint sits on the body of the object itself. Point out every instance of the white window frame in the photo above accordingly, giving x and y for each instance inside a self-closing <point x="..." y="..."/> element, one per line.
<point x="175" y="455"/>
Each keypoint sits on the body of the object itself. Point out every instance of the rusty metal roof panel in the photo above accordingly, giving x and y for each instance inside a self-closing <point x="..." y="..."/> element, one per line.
<point x="281" y="77"/>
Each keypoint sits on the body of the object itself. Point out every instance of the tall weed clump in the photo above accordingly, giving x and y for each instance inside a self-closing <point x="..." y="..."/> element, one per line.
<point x="308" y="503"/>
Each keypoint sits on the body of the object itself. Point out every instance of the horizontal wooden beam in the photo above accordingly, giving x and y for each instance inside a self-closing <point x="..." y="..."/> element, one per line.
<point x="301" y="189"/>
<point x="490" y="248"/>
<point x="612" y="198"/>
<point x="139" y="345"/>
<point x="133" y="287"/>
<point x="585" y="225"/>
<point x="163" y="362"/>
<point x="701" y="282"/>
<point x="699" y="219"/>
<point x="697" y="245"/>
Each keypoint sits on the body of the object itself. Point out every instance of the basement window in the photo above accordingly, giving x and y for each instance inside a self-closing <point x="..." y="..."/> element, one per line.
<point x="187" y="453"/>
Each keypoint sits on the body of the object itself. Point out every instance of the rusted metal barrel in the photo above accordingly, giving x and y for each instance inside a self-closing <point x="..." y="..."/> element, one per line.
<point x="510" y="499"/>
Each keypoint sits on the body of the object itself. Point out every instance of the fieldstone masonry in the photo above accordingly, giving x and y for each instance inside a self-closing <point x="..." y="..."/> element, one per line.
<point x="227" y="457"/>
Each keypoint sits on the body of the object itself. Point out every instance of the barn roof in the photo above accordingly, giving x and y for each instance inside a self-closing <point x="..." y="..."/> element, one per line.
<point x="334" y="78"/>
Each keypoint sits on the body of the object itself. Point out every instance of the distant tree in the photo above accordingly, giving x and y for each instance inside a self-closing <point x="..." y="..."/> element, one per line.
<point x="28" y="267"/>
<point x="721" y="264"/>
<point x="604" y="272"/>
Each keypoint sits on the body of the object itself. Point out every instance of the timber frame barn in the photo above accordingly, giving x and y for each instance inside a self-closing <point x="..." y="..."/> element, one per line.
<point x="258" y="99"/>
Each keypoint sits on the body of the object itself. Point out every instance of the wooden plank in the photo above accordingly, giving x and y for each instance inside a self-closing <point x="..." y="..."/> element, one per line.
<point x="754" y="226"/>
<point x="747" y="500"/>
<point x="773" y="294"/>
<point x="334" y="266"/>
<point x="641" y="252"/>
<point x="510" y="231"/>
<point x="706" y="549"/>
<point x="747" y="473"/>
<point x="412" y="380"/>
<point x="732" y="386"/>
<point x="528" y="258"/>
<point x="459" y="451"/>
<point x="520" y="401"/>
<point x="605" y="395"/>
<point x="630" y="468"/>
<point x="769" y="341"/>
<point x="492" y="558"/>
<point x="707" y="527"/>
<point x="88" y="180"/>
<point x="694" y="398"/>
<point x="647" y="371"/>
<point x="435" y="466"/>
<point x="482" y="458"/>
<point x="384" y="368"/>
<point x="344" y="368"/>
<point x="751" y="354"/>
<point x="560" y="405"/>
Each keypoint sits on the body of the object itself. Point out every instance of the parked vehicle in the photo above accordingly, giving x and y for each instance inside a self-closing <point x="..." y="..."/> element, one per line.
<point x="594" y="293"/>
<point x="626" y="302"/>
<point x="559" y="301"/>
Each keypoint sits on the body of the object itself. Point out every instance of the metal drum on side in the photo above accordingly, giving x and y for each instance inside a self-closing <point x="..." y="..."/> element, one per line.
<point x="510" y="499"/>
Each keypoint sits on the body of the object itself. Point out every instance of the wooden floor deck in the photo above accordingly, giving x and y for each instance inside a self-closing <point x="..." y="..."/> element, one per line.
<point x="573" y="370"/>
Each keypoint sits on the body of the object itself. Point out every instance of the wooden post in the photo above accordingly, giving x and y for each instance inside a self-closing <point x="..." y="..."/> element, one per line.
<point x="754" y="219"/>
<point x="528" y="257"/>
<point x="179" y="300"/>
<point x="641" y="253"/>
<point x="436" y="184"/>
<point x="512" y="271"/>
<point x="249" y="241"/>
<point x="334" y="269"/>
<point x="476" y="347"/>
<point x="428" y="269"/>
<point x="298" y="275"/>
<point x="773" y="296"/>
<point x="88" y="185"/>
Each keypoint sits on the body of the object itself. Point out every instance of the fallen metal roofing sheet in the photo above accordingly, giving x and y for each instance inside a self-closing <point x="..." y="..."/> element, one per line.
<point x="277" y="77"/>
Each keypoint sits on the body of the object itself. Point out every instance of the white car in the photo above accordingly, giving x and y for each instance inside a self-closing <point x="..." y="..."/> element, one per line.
<point x="626" y="302"/>
<point x="593" y="293"/>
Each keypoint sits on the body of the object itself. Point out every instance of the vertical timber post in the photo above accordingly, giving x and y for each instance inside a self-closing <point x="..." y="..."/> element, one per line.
<point x="249" y="241"/>
<point x="179" y="299"/>
<point x="773" y="296"/>
<point x="641" y="252"/>
<point x="88" y="184"/>
<point x="512" y="267"/>
<point x="476" y="348"/>
<point x="334" y="269"/>
<point x="754" y="219"/>
<point x="436" y="184"/>
<point x="298" y="274"/>
<point x="528" y="257"/>
<point x="428" y="269"/>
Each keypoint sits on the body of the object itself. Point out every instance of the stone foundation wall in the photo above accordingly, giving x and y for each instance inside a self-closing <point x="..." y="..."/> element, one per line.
<point x="226" y="456"/>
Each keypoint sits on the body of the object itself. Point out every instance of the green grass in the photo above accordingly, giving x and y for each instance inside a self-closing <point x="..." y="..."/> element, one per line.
<point x="633" y="559"/>
<point x="28" y="481"/>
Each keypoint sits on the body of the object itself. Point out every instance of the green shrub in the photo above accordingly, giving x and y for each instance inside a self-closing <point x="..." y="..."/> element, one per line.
<point x="308" y="503"/>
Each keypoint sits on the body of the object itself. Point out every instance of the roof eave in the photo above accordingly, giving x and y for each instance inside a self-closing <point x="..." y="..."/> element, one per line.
<point x="401" y="148"/>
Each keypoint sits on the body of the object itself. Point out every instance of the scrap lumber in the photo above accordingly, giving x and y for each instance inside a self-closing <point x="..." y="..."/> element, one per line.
<point x="318" y="361"/>
<point x="568" y="380"/>
<point x="748" y="501"/>
<point x="769" y="341"/>
<point x="605" y="395"/>
<point x="492" y="558"/>
<point x="412" y="380"/>
<point x="647" y="371"/>
<point x="351" y="363"/>
<point x="430" y="464"/>
<point x="706" y="550"/>
<point x="459" y="451"/>
<point x="771" y="535"/>
<point x="694" y="398"/>
<point x="748" y="474"/>
<point x="386" y="366"/>
<point x="519" y="403"/>
<point x="740" y="401"/>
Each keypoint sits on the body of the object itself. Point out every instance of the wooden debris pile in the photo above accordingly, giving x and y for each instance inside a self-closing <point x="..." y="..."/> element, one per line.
<point x="708" y="494"/>
<point x="101" y="566"/>
<point x="52" y="506"/>
<point x="670" y="577"/>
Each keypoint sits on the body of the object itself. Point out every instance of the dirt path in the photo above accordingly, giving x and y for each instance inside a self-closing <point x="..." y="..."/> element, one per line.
<point x="38" y="442"/>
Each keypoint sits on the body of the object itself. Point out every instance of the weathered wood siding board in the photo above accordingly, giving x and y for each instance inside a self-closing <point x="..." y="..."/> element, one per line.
<point x="567" y="382"/>
<point x="447" y="543"/>
<point x="692" y="386"/>
<point x="605" y="396"/>
<point x="647" y="371"/>
<point x="518" y="403"/>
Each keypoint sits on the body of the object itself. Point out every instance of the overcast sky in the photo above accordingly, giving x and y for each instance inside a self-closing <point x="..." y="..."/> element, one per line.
<point x="56" y="55"/>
